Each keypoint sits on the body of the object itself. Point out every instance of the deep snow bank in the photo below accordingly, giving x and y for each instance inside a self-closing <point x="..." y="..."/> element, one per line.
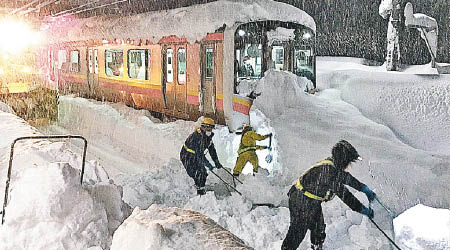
<point x="142" y="136"/>
<point x="47" y="206"/>
<point x="414" y="107"/>
<point x="163" y="228"/>
<point x="49" y="210"/>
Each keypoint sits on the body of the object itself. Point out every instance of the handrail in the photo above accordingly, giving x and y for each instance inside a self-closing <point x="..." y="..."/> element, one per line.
<point x="5" y="200"/>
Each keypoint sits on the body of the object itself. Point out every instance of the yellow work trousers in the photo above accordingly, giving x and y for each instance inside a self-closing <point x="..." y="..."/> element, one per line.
<point x="249" y="156"/>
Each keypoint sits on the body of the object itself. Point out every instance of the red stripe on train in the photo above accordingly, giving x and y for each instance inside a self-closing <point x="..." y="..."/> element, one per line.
<point x="244" y="109"/>
<point x="131" y="89"/>
<point x="193" y="100"/>
<point x="219" y="104"/>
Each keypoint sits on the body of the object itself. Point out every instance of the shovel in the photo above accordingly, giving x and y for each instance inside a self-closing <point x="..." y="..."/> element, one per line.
<point x="269" y="156"/>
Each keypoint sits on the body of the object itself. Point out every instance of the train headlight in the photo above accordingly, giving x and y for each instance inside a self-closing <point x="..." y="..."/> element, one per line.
<point x="241" y="33"/>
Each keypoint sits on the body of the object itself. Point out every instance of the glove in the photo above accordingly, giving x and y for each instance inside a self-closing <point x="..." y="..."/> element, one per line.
<point x="367" y="211"/>
<point x="218" y="165"/>
<point x="265" y="147"/>
<point x="208" y="165"/>
<point x="269" y="135"/>
<point x="369" y="193"/>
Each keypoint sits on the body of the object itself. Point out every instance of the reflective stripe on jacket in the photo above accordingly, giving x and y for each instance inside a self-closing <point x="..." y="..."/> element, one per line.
<point x="311" y="195"/>
<point x="324" y="180"/>
<point x="248" y="141"/>
<point x="196" y="145"/>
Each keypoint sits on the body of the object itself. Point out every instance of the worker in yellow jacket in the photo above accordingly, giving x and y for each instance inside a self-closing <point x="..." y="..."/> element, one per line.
<point x="247" y="149"/>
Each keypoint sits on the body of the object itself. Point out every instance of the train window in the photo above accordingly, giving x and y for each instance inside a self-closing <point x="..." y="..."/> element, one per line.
<point x="278" y="57"/>
<point x="62" y="58"/>
<point x="181" y="58"/>
<point x="138" y="59"/>
<point x="95" y="61"/>
<point x="303" y="63"/>
<point x="209" y="63"/>
<point x="114" y="62"/>
<point x="74" y="61"/>
<point x="249" y="61"/>
<point x="90" y="61"/>
<point x="169" y="66"/>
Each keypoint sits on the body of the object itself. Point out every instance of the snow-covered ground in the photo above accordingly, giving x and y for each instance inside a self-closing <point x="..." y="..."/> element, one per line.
<point x="398" y="122"/>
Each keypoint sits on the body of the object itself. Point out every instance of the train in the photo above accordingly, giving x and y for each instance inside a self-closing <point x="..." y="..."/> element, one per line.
<point x="183" y="63"/>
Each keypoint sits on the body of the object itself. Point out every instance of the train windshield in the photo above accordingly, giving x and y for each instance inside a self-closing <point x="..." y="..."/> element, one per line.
<point x="260" y="46"/>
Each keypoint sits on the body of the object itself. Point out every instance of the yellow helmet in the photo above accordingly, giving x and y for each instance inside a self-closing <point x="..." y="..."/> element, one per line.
<point x="208" y="122"/>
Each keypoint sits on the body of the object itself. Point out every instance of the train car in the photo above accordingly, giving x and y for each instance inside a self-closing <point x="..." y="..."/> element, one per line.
<point x="185" y="62"/>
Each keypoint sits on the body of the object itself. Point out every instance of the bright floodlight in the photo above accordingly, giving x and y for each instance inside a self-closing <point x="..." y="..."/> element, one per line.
<point x="241" y="33"/>
<point x="16" y="36"/>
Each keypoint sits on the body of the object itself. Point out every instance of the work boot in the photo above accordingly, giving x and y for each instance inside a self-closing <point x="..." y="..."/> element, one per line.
<point x="235" y="175"/>
<point x="316" y="247"/>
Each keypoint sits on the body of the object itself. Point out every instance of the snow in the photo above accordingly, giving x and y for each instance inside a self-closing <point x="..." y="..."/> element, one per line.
<point x="182" y="22"/>
<point x="280" y="34"/>
<point x="47" y="207"/>
<point x="133" y="160"/>
<point x="160" y="227"/>
<point x="422" y="227"/>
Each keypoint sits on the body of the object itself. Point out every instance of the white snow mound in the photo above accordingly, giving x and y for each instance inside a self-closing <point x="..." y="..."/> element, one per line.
<point x="49" y="209"/>
<point x="422" y="227"/>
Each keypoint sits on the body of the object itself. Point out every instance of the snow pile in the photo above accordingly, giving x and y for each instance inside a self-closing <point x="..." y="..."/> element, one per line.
<point x="141" y="135"/>
<point x="47" y="206"/>
<point x="48" y="209"/>
<point x="164" y="228"/>
<point x="415" y="107"/>
<point x="261" y="228"/>
<point x="422" y="228"/>
<point x="280" y="91"/>
<point x="169" y="185"/>
<point x="280" y="34"/>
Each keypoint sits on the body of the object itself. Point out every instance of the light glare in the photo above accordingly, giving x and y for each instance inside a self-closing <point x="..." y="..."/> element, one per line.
<point x="16" y="36"/>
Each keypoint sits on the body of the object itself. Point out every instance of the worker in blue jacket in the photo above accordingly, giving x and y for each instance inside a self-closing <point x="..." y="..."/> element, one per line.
<point x="193" y="152"/>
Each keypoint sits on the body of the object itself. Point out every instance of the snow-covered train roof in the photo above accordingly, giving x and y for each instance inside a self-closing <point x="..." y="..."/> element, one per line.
<point x="192" y="22"/>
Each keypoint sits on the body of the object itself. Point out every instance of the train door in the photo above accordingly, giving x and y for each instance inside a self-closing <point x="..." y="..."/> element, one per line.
<point x="175" y="77"/>
<point x="208" y="78"/>
<point x="92" y="68"/>
<point x="181" y="79"/>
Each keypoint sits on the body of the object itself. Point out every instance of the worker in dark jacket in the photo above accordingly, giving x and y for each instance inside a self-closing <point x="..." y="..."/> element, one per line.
<point x="193" y="157"/>
<point x="318" y="184"/>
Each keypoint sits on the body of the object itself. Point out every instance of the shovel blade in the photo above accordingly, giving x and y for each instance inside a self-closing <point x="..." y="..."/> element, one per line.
<point x="269" y="158"/>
